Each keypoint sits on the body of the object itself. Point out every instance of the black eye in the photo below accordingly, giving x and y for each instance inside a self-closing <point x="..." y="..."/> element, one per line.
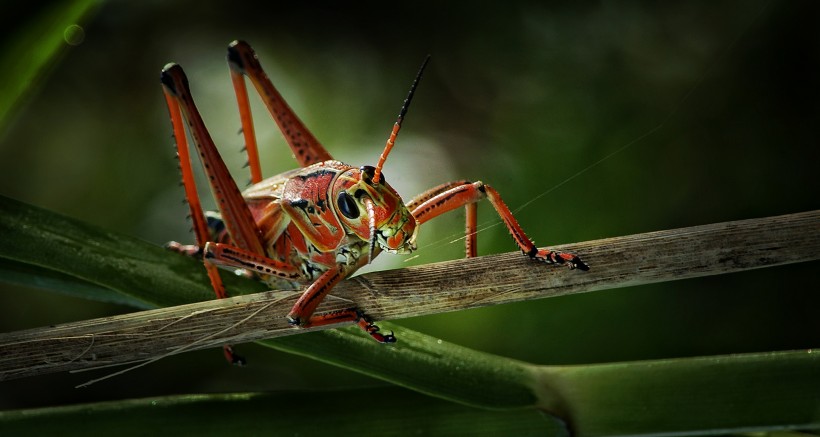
<point x="347" y="205"/>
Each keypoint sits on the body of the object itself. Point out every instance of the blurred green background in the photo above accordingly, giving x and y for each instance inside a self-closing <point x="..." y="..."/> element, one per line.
<point x="612" y="118"/>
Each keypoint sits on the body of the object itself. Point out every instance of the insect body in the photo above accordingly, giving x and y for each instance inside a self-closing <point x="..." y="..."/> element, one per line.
<point x="317" y="224"/>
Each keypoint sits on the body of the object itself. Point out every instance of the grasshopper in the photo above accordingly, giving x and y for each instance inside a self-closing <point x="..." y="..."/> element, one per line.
<point x="317" y="224"/>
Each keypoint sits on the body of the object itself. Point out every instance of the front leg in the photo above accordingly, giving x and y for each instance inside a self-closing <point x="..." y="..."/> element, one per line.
<point x="302" y="312"/>
<point x="464" y="194"/>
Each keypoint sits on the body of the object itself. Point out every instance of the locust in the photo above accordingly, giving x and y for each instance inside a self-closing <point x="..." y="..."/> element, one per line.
<point x="318" y="224"/>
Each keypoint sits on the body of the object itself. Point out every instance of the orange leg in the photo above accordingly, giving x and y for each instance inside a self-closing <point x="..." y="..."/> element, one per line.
<point x="302" y="312"/>
<point x="216" y="233"/>
<point x="433" y="192"/>
<point x="235" y="212"/>
<point x="470" y="243"/>
<point x="303" y="309"/>
<point x="471" y="248"/>
<point x="197" y="216"/>
<point x="306" y="148"/>
<point x="237" y="217"/>
<point x="463" y="194"/>
<point x="232" y="256"/>
<point x="247" y="126"/>
<point x="353" y="315"/>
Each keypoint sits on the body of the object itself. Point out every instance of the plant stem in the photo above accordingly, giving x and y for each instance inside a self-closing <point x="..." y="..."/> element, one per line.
<point x="448" y="286"/>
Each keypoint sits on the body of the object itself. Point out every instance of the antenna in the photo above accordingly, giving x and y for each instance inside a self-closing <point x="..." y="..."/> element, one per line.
<point x="396" y="126"/>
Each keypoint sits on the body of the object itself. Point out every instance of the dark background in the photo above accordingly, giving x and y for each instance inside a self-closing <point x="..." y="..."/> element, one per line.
<point x="655" y="115"/>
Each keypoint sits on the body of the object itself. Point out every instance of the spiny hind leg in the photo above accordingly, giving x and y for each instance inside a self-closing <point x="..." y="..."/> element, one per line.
<point x="306" y="148"/>
<point x="239" y="221"/>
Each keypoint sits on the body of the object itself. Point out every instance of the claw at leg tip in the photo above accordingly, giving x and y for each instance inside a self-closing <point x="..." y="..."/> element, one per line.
<point x="578" y="264"/>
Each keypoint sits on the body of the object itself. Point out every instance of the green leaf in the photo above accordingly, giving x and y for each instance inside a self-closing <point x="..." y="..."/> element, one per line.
<point x="18" y="273"/>
<point x="142" y="272"/>
<point x="378" y="412"/>
<point x="738" y="393"/>
<point x="26" y="58"/>
<point x="424" y="364"/>
<point x="157" y="277"/>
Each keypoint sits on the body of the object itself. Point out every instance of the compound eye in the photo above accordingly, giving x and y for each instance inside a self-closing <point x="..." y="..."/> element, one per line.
<point x="347" y="205"/>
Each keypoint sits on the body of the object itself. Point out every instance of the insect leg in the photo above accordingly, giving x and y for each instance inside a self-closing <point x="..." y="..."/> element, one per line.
<point x="200" y="223"/>
<point x="303" y="309"/>
<point x="470" y="243"/>
<point x="216" y="233"/>
<point x="232" y="256"/>
<point x="471" y="248"/>
<point x="197" y="216"/>
<point x="352" y="315"/>
<point x="433" y="192"/>
<point x="243" y="62"/>
<point x="235" y="212"/>
<point x="302" y="312"/>
<point x="464" y="194"/>
<point x="246" y="119"/>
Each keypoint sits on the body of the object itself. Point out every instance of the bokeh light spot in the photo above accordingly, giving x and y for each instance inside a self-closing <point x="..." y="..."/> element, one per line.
<point x="74" y="35"/>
